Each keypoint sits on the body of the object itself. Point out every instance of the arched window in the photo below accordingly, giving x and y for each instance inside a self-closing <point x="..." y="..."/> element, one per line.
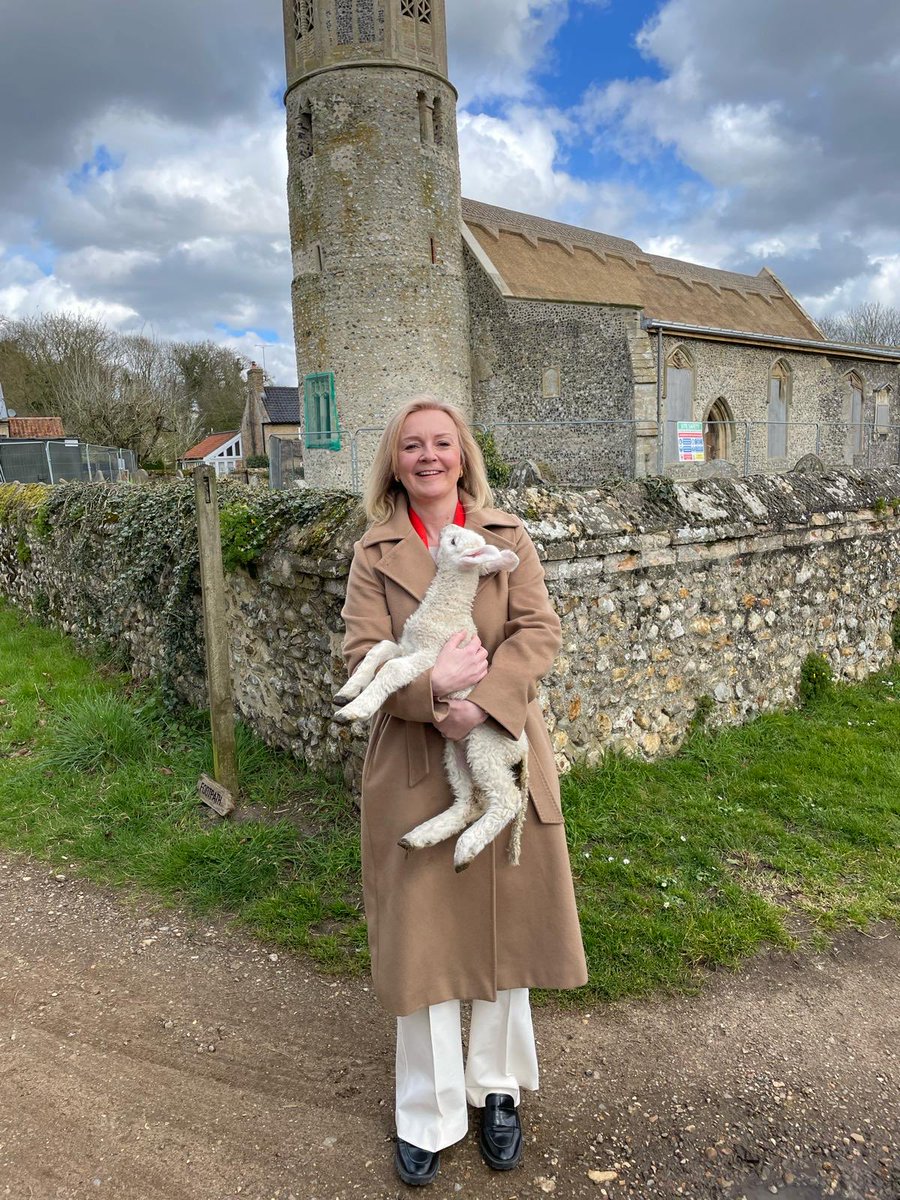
<point x="778" y="409"/>
<point x="717" y="430"/>
<point x="883" y="397"/>
<point x="426" y="120"/>
<point x="679" y="397"/>
<point x="305" y="132"/>
<point x="437" y="121"/>
<point x="853" y="414"/>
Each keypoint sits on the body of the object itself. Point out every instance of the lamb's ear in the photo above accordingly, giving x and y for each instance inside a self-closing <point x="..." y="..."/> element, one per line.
<point x="489" y="560"/>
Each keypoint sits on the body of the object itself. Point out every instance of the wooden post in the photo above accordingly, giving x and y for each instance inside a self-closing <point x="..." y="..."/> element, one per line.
<point x="215" y="628"/>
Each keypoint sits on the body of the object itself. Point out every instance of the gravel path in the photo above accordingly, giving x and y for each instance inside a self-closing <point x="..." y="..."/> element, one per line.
<point x="146" y="1056"/>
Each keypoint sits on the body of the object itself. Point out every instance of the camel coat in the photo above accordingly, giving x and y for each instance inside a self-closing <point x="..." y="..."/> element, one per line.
<point x="435" y="935"/>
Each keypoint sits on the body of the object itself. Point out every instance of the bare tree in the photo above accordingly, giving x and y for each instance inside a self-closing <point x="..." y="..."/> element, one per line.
<point x="869" y="324"/>
<point x="127" y="390"/>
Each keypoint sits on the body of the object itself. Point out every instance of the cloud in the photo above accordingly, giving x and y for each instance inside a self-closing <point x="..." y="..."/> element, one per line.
<point x="786" y="116"/>
<point x="513" y="161"/>
<point x="496" y="46"/>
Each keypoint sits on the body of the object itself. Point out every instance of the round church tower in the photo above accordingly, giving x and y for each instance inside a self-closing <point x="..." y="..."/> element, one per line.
<point x="374" y="198"/>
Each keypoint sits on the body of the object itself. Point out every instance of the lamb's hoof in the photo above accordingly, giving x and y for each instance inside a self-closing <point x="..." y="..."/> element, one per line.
<point x="342" y="717"/>
<point x="460" y="867"/>
<point x="339" y="701"/>
<point x="405" y="845"/>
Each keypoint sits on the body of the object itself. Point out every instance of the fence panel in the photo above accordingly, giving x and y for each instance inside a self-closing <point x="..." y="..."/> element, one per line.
<point x="285" y="463"/>
<point x="63" y="461"/>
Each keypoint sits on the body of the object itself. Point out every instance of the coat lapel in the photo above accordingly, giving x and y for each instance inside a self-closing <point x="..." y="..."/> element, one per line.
<point x="407" y="561"/>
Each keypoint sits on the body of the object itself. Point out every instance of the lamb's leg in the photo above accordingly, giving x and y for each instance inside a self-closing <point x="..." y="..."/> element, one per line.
<point x="497" y="769"/>
<point x="464" y="808"/>
<point x="380" y="653"/>
<point x="391" y="678"/>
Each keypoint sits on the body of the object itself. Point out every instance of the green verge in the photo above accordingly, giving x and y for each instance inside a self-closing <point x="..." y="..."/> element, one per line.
<point x="774" y="833"/>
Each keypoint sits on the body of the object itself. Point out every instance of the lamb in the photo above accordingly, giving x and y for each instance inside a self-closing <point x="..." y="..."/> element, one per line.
<point x="487" y="771"/>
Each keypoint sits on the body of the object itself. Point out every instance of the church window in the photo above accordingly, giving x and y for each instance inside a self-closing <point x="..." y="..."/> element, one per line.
<point x="426" y="120"/>
<point x="883" y="410"/>
<point x="423" y="11"/>
<point x="321" y="429"/>
<point x="437" y="121"/>
<point x="679" y="398"/>
<point x="777" y="415"/>
<point x="853" y="415"/>
<point x="408" y="8"/>
<point x="305" y="133"/>
<point x="434" y="255"/>
<point x="304" y="18"/>
<point x="550" y="383"/>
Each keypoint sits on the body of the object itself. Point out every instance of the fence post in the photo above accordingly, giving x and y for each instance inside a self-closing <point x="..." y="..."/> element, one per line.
<point x="215" y="628"/>
<point x="49" y="461"/>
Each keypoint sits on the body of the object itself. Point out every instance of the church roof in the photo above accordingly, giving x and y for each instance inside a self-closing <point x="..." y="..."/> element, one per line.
<point x="282" y="405"/>
<point x="537" y="259"/>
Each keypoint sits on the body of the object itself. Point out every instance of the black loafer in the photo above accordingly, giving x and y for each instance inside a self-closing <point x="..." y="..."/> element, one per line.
<point x="414" y="1166"/>
<point x="501" y="1132"/>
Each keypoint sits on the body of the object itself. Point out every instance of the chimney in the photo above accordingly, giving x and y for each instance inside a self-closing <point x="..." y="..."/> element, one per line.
<point x="253" y="440"/>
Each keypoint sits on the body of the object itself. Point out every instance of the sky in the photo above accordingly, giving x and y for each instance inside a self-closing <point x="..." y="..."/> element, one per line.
<point x="142" y="161"/>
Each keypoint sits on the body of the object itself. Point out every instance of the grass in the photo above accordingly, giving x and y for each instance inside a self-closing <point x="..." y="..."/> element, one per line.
<point x="784" y="829"/>
<point x="97" y="775"/>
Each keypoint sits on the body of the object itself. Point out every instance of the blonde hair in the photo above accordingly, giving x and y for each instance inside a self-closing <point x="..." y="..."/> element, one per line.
<point x="383" y="487"/>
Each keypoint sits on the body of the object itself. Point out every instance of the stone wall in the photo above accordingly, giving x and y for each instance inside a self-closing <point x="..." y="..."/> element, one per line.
<point x="515" y="341"/>
<point x="668" y="592"/>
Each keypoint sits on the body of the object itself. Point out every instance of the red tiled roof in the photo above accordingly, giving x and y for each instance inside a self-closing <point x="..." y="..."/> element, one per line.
<point x="36" y="427"/>
<point x="208" y="445"/>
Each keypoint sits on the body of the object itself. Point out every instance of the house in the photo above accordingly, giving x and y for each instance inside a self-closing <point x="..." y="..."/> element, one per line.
<point x="219" y="450"/>
<point x="270" y="412"/>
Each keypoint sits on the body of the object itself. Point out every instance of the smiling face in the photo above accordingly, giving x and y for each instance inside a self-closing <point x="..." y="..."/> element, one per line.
<point x="429" y="463"/>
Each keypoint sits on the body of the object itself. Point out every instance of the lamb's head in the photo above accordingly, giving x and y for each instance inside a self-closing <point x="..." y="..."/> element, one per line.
<point x="468" y="551"/>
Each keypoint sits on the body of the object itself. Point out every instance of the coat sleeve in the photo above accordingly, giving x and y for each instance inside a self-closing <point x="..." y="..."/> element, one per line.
<point x="367" y="621"/>
<point x="532" y="639"/>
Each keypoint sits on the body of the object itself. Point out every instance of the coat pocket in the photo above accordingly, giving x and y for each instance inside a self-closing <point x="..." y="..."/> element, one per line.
<point x="544" y="797"/>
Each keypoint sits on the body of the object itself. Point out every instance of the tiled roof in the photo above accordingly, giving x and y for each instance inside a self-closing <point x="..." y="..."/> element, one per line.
<point x="36" y="427"/>
<point x="545" y="260"/>
<point x="208" y="445"/>
<point x="282" y="404"/>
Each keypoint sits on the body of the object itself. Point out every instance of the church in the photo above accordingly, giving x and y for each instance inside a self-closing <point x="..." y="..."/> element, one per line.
<point x="578" y="350"/>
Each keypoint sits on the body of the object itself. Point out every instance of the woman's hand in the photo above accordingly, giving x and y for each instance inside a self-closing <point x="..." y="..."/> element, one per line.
<point x="461" y="719"/>
<point x="459" y="666"/>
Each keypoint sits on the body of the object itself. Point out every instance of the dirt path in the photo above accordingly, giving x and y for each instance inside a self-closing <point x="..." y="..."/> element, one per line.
<point x="144" y="1056"/>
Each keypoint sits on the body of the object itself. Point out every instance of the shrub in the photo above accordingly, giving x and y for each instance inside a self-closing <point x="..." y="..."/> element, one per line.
<point x="257" y="460"/>
<point x="498" y="469"/>
<point x="815" y="679"/>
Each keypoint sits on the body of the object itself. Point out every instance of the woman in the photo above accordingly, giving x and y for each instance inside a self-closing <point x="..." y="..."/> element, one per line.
<point x="493" y="931"/>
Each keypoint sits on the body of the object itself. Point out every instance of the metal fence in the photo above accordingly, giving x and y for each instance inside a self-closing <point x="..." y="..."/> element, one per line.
<point x="581" y="454"/>
<point x="63" y="460"/>
<point x="285" y="463"/>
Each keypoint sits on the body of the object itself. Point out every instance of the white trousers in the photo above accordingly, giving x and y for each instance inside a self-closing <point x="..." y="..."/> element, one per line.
<point x="433" y="1086"/>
